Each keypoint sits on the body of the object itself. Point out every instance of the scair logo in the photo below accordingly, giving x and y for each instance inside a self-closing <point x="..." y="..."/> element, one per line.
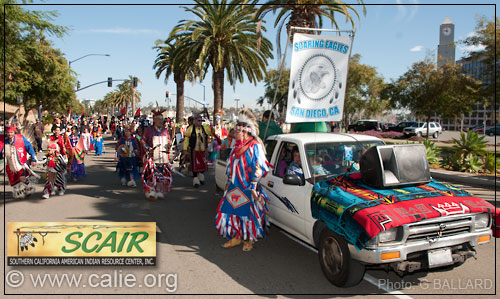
<point x="79" y="240"/>
<point x="85" y="243"/>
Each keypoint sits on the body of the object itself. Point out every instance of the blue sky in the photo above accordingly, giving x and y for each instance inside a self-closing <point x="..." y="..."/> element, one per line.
<point x="391" y="37"/>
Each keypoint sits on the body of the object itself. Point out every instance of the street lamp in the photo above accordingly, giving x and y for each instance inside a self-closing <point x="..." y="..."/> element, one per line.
<point x="236" y="100"/>
<point x="86" y="56"/>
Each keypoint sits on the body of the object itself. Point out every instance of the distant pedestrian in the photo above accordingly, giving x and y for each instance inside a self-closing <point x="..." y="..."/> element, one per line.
<point x="39" y="135"/>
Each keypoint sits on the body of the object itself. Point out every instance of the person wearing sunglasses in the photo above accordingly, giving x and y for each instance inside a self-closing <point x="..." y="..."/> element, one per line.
<point x="241" y="214"/>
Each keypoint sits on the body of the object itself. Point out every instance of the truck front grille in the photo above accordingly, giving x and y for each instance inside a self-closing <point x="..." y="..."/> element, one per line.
<point x="438" y="229"/>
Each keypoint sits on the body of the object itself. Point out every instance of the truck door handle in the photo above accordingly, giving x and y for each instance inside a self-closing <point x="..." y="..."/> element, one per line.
<point x="270" y="184"/>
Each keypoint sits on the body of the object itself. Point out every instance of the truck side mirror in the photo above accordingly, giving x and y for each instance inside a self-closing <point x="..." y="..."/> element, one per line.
<point x="292" y="179"/>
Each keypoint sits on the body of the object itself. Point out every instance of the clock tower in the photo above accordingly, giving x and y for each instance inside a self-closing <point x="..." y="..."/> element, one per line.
<point x="446" y="47"/>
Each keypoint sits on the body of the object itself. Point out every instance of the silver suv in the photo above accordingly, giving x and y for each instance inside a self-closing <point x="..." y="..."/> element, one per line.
<point x="420" y="129"/>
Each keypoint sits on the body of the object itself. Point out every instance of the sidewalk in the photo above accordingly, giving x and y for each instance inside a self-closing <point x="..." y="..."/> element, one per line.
<point x="466" y="178"/>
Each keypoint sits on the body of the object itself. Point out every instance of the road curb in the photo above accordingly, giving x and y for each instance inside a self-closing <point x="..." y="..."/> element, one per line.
<point x="464" y="179"/>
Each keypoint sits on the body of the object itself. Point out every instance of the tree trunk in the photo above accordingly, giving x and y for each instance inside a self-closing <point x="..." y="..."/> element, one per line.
<point x="218" y="89"/>
<point x="179" y="114"/>
<point x="427" y="124"/>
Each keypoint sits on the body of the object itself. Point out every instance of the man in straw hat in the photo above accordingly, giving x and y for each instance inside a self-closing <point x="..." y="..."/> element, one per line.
<point x="16" y="150"/>
<point x="241" y="211"/>
<point x="196" y="145"/>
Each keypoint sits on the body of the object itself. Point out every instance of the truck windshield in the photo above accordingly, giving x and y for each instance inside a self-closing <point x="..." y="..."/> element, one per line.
<point x="325" y="159"/>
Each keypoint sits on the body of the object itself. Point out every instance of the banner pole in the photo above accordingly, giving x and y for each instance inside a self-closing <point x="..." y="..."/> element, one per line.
<point x="277" y="85"/>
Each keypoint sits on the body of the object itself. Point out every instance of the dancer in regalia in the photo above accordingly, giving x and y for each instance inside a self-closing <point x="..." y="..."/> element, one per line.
<point x="127" y="149"/>
<point x="15" y="150"/>
<point x="221" y="132"/>
<point x="79" y="148"/>
<point x="241" y="214"/>
<point x="98" y="140"/>
<point x="196" y="145"/>
<point x="157" y="173"/>
<point x="56" y="171"/>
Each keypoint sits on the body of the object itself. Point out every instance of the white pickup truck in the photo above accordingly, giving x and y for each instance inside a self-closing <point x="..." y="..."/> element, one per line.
<point x="403" y="228"/>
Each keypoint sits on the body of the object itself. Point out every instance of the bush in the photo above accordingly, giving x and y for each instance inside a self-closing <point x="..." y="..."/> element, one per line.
<point x="431" y="151"/>
<point x="450" y="161"/>
<point x="470" y="143"/>
<point x="417" y="138"/>
<point x="392" y="135"/>
<point x="472" y="164"/>
<point x="372" y="133"/>
<point x="490" y="163"/>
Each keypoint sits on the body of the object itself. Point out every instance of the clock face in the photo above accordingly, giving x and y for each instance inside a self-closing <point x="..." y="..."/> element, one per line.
<point x="446" y="30"/>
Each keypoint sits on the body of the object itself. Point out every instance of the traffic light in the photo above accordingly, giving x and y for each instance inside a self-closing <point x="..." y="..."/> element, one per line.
<point x="110" y="82"/>
<point x="167" y="94"/>
<point x="134" y="83"/>
<point x="77" y="84"/>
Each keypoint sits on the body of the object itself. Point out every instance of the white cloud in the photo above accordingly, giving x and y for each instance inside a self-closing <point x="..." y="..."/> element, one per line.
<point x="406" y="12"/>
<point x="417" y="49"/>
<point x="469" y="49"/>
<point x="129" y="31"/>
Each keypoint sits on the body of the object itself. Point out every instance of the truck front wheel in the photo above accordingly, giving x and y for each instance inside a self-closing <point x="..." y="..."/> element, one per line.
<point x="336" y="262"/>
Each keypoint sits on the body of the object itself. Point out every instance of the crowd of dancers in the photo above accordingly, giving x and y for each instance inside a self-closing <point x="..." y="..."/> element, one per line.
<point x="147" y="151"/>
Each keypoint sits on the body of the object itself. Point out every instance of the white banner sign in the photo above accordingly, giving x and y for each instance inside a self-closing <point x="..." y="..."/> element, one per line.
<point x="317" y="78"/>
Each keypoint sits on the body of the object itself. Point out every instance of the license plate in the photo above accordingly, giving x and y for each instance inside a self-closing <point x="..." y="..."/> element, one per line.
<point x="440" y="257"/>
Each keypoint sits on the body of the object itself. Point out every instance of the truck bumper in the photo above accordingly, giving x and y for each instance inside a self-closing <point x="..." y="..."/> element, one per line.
<point x="406" y="251"/>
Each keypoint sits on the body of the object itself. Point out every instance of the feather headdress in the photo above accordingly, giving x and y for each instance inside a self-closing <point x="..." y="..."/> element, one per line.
<point x="247" y="119"/>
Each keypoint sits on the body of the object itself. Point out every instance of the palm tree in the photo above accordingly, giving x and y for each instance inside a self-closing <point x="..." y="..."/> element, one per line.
<point x="135" y="97"/>
<point x="225" y="38"/>
<point x="124" y="94"/>
<point x="108" y="102"/>
<point x="172" y="59"/>
<point x="306" y="14"/>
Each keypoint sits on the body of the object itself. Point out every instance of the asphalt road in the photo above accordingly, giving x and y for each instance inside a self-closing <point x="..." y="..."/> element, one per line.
<point x="189" y="249"/>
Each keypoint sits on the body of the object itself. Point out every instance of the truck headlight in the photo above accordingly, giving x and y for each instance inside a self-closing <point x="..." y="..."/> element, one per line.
<point x="482" y="220"/>
<point x="388" y="235"/>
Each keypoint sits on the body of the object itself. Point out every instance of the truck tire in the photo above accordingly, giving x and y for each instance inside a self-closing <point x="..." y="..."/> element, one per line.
<point x="335" y="260"/>
<point x="435" y="135"/>
<point x="419" y="134"/>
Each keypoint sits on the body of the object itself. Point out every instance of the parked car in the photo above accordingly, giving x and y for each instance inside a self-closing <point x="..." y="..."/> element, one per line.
<point x="478" y="128"/>
<point x="420" y="129"/>
<point x="365" y="125"/>
<point x="493" y="130"/>
<point x="418" y="226"/>
<point x="402" y="125"/>
<point x="387" y="127"/>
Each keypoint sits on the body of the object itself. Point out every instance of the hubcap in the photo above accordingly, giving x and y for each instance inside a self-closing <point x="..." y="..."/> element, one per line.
<point x="332" y="256"/>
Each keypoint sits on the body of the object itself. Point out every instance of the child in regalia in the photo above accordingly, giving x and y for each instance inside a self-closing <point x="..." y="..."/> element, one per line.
<point x="79" y="148"/>
<point x="98" y="141"/>
<point x="56" y="171"/>
<point x="127" y="149"/>
<point x="241" y="214"/>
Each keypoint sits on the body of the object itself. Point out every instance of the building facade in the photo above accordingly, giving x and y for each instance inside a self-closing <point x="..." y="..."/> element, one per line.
<point x="482" y="113"/>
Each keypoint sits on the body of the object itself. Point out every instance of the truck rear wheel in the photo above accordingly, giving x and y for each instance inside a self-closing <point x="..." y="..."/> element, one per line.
<point x="335" y="260"/>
